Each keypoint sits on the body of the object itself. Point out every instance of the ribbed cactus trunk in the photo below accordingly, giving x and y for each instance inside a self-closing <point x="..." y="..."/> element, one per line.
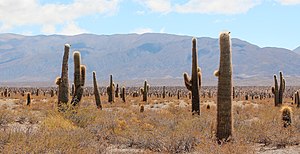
<point x="96" y="92"/>
<point x="79" y="79"/>
<point x="111" y="90"/>
<point x="224" y="96"/>
<point x="278" y="91"/>
<point x="145" y="91"/>
<point x="194" y="84"/>
<point x="63" y="81"/>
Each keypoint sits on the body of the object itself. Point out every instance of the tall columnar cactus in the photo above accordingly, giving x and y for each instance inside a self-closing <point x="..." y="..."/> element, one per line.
<point x="28" y="99"/>
<point x="164" y="92"/>
<point x="96" y="92"/>
<point x="63" y="81"/>
<point x="297" y="99"/>
<point x="193" y="84"/>
<point x="51" y="93"/>
<point x="224" y="96"/>
<point x="111" y="90"/>
<point x="79" y="79"/>
<point x="278" y="92"/>
<point x="117" y="91"/>
<point x="5" y="92"/>
<point x="145" y="91"/>
<point x="123" y="94"/>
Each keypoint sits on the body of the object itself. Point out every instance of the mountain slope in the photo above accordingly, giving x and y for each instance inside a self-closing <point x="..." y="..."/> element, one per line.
<point x="133" y="57"/>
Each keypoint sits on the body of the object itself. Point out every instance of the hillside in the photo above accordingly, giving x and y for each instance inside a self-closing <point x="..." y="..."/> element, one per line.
<point x="137" y="57"/>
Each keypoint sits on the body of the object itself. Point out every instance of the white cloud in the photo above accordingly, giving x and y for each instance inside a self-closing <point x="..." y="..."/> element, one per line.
<point x="162" y="6"/>
<point x="217" y="6"/>
<point x="30" y="12"/>
<point x="289" y="2"/>
<point x="72" y="29"/>
<point x="142" y="30"/>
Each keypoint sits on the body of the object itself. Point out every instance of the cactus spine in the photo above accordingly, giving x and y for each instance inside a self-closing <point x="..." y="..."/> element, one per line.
<point x="96" y="92"/>
<point x="79" y="79"/>
<point x="193" y="84"/>
<point x="63" y="81"/>
<point x="278" y="92"/>
<point x="224" y="96"/>
<point x="145" y="91"/>
<point x="111" y="90"/>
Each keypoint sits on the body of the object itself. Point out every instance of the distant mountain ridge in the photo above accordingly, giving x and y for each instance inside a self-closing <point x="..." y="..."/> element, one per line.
<point x="137" y="57"/>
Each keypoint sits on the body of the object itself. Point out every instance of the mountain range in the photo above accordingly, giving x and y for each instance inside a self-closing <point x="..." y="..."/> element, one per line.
<point x="132" y="58"/>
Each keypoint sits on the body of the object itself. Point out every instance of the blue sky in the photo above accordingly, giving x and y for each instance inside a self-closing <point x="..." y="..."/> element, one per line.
<point x="273" y="23"/>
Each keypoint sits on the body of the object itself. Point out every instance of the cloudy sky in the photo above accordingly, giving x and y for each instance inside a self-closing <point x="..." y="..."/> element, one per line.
<point x="273" y="23"/>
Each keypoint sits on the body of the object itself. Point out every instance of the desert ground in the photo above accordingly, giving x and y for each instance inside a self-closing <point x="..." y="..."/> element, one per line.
<point x="166" y="125"/>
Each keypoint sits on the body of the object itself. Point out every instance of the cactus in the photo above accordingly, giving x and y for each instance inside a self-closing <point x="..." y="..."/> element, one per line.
<point x="51" y="93"/>
<point x="28" y="99"/>
<point x="79" y="79"/>
<point x="164" y="91"/>
<point x="63" y="81"/>
<point x="5" y="92"/>
<point x="193" y="84"/>
<point x="145" y="91"/>
<point x="142" y="108"/>
<point x="278" y="92"/>
<point x="96" y="92"/>
<point x="286" y="114"/>
<point x="123" y="94"/>
<point x="297" y="99"/>
<point x="111" y="90"/>
<point x="37" y="92"/>
<point x="117" y="91"/>
<point x="224" y="94"/>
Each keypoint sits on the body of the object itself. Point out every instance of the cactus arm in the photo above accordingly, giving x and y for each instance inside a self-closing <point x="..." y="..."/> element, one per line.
<point x="58" y="81"/>
<point x="187" y="81"/>
<point x="82" y="75"/>
<point x="199" y="76"/>
<point x="77" y="72"/>
<point x="216" y="73"/>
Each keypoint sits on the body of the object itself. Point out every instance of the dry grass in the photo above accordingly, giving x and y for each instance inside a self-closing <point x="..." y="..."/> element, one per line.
<point x="169" y="129"/>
